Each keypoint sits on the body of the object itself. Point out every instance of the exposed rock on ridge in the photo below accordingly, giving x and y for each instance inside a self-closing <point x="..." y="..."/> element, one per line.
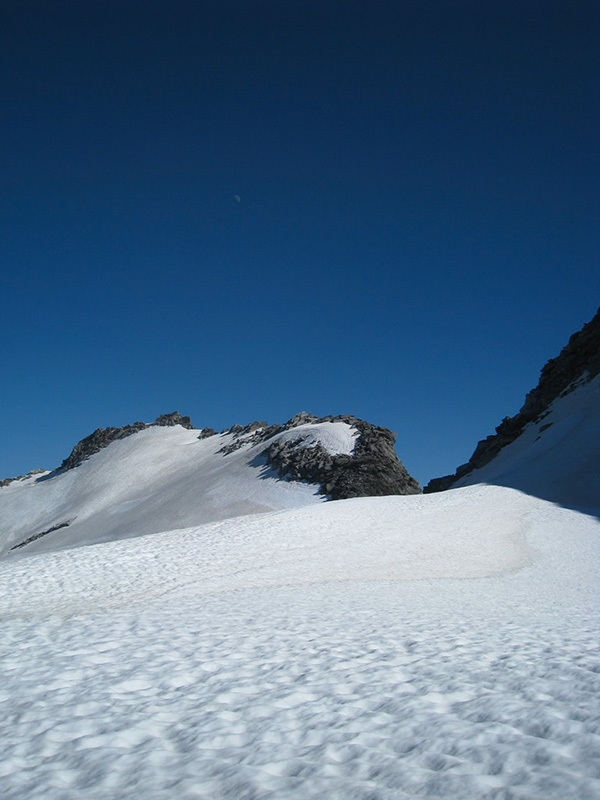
<point x="102" y="437"/>
<point x="6" y="481"/>
<point x="372" y="469"/>
<point x="578" y="362"/>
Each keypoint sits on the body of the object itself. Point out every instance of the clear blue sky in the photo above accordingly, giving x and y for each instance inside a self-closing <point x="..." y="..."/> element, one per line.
<point x="416" y="231"/>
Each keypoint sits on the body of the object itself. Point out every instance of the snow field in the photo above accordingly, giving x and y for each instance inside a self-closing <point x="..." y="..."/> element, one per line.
<point x="439" y="646"/>
<point x="474" y="532"/>
<point x="380" y="648"/>
<point x="339" y="691"/>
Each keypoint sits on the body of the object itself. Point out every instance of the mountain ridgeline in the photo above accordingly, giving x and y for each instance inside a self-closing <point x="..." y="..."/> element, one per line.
<point x="372" y="468"/>
<point x="147" y="478"/>
<point x="577" y="364"/>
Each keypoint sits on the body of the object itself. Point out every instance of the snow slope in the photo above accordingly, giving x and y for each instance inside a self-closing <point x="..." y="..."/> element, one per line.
<point x="159" y="478"/>
<point x="388" y="648"/>
<point x="403" y="647"/>
<point x="558" y="456"/>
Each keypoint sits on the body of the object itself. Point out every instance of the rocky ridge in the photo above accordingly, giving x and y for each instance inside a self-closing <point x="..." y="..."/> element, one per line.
<point x="6" y="481"/>
<point x="577" y="363"/>
<point x="102" y="437"/>
<point x="372" y="469"/>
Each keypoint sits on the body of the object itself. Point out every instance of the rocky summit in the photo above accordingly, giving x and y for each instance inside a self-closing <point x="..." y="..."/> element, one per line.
<point x="371" y="469"/>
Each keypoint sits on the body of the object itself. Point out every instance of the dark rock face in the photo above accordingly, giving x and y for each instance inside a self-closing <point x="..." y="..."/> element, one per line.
<point x="96" y="441"/>
<point x="372" y="469"/>
<point x="102" y="437"/>
<point x="245" y="435"/>
<point x="175" y="418"/>
<point x="578" y="362"/>
<point x="206" y="433"/>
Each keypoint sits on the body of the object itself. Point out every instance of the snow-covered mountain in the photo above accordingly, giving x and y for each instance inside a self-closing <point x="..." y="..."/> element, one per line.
<point x="146" y="478"/>
<point x="389" y="648"/>
<point x="551" y="448"/>
<point x="557" y="455"/>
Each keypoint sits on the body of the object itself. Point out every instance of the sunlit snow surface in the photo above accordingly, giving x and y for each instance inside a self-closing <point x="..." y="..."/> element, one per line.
<point x="156" y="480"/>
<point x="404" y="647"/>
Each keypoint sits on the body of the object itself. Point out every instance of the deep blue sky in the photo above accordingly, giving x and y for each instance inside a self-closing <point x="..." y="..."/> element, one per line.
<point x="417" y="231"/>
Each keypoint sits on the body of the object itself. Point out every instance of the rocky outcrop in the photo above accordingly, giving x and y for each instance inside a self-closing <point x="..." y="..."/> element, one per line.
<point x="96" y="441"/>
<point x="206" y="433"/>
<point x="578" y="362"/>
<point x="33" y="472"/>
<point x="249" y="434"/>
<point x="39" y="535"/>
<point x="372" y="469"/>
<point x="102" y="437"/>
<point x="174" y="418"/>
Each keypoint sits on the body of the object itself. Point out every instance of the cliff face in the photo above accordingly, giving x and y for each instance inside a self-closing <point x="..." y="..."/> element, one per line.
<point x="577" y="363"/>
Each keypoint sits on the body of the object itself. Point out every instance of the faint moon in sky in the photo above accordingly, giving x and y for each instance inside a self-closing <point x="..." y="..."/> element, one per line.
<point x="237" y="198"/>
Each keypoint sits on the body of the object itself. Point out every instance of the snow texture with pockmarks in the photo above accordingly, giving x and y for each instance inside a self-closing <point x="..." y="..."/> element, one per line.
<point x="382" y="648"/>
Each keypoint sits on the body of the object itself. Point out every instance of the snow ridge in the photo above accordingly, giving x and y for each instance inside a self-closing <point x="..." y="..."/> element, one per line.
<point x="148" y="478"/>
